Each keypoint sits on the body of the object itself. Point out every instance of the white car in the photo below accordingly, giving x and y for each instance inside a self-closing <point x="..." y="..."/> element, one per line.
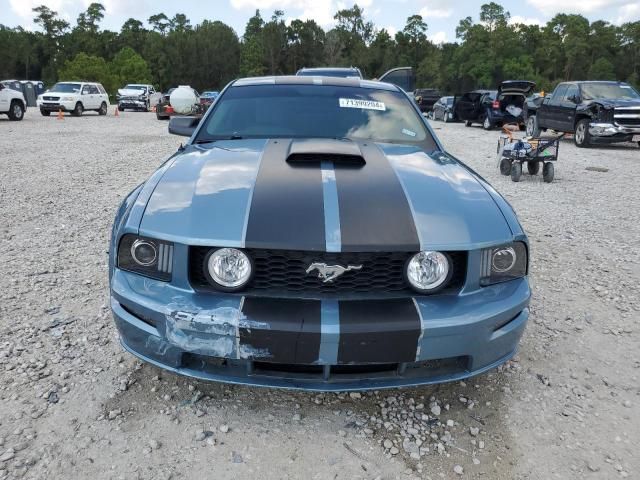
<point x="74" y="97"/>
<point x="12" y="103"/>
<point x="137" y="96"/>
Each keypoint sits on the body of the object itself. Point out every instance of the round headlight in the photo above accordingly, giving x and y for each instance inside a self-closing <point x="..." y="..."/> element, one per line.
<point x="143" y="252"/>
<point x="503" y="259"/>
<point x="428" y="271"/>
<point x="230" y="268"/>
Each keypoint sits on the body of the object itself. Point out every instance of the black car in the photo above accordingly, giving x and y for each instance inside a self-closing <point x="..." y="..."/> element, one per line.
<point x="493" y="108"/>
<point x="596" y="112"/>
<point x="426" y="98"/>
<point x="443" y="109"/>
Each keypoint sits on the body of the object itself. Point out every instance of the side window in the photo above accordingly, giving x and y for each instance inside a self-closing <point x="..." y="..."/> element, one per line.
<point x="558" y="94"/>
<point x="93" y="90"/>
<point x="151" y="90"/>
<point x="572" y="91"/>
<point x="101" y="89"/>
<point x="85" y="90"/>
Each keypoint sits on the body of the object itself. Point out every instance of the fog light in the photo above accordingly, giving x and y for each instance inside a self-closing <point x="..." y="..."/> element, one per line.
<point x="428" y="271"/>
<point x="229" y="268"/>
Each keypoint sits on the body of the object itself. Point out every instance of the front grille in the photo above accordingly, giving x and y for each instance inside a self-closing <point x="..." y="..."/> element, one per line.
<point x="283" y="273"/>
<point x="628" y="122"/>
<point x="627" y="116"/>
<point x="51" y="98"/>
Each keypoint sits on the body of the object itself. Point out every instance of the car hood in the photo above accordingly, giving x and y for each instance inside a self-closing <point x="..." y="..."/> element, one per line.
<point x="130" y="92"/>
<point x="321" y="195"/>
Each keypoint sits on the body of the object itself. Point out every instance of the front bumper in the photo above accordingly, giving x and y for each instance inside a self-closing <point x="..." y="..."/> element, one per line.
<point x="612" y="132"/>
<point x="221" y="337"/>
<point x="130" y="103"/>
<point x="56" y="106"/>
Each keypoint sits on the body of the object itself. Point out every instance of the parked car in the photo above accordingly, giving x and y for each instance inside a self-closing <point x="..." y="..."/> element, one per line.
<point x="596" y="112"/>
<point x="444" y="109"/>
<point x="74" y="97"/>
<point x="493" y="108"/>
<point x="137" y="96"/>
<point x="426" y="98"/>
<point x="30" y="89"/>
<point x="316" y="235"/>
<point x="12" y="103"/>
<point x="208" y="97"/>
<point x="349" y="72"/>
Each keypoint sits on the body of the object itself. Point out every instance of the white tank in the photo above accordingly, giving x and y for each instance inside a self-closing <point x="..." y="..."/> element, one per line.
<point x="183" y="99"/>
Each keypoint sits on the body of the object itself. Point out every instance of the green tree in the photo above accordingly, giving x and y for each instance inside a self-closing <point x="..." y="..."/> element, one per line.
<point x="602" y="69"/>
<point x="129" y="67"/>
<point x="88" y="67"/>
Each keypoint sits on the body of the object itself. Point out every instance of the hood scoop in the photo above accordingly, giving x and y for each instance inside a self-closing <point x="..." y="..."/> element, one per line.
<point x="312" y="152"/>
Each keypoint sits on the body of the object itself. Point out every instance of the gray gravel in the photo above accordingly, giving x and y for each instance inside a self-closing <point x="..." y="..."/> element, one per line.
<point x="73" y="405"/>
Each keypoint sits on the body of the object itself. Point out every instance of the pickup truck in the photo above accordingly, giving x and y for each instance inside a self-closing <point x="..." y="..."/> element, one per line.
<point x="596" y="112"/>
<point x="12" y="102"/>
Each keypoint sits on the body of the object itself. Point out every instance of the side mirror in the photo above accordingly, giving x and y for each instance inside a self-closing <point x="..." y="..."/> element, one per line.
<point x="575" y="99"/>
<point x="183" y="126"/>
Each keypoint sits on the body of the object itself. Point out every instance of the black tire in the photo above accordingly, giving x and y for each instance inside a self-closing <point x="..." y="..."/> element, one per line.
<point x="77" y="111"/>
<point x="516" y="171"/>
<point x="120" y="109"/>
<point x="486" y="123"/>
<point x="533" y="168"/>
<point x="147" y="106"/>
<point x="16" y="111"/>
<point x="45" y="113"/>
<point x="103" y="109"/>
<point x="533" y="130"/>
<point x="467" y="123"/>
<point x="445" y="117"/>
<point x="582" y="137"/>
<point x="548" y="172"/>
<point x="505" y="166"/>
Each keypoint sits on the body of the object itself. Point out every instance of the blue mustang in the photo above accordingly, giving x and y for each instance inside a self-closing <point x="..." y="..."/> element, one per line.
<point x="314" y="234"/>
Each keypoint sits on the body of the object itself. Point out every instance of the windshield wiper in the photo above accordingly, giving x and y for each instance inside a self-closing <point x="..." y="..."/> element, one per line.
<point x="212" y="140"/>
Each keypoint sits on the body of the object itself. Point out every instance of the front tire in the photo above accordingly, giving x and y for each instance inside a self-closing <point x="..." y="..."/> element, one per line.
<point x="516" y="171"/>
<point x="103" y="109"/>
<point x="486" y="123"/>
<point x="533" y="168"/>
<point x="77" y="111"/>
<point x="505" y="166"/>
<point x="533" y="130"/>
<point x="582" y="137"/>
<point x="548" y="172"/>
<point x="120" y="109"/>
<point x="16" y="111"/>
<point x="467" y="123"/>
<point x="45" y="113"/>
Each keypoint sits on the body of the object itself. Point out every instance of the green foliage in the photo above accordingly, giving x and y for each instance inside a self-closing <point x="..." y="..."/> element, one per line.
<point x="172" y="51"/>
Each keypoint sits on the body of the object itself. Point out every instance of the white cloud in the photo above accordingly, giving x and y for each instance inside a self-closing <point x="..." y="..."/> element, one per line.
<point x="525" y="20"/>
<point x="551" y="7"/>
<point x="24" y="8"/>
<point x="391" y="30"/>
<point x="438" y="38"/>
<point x="436" y="9"/>
<point x="628" y="13"/>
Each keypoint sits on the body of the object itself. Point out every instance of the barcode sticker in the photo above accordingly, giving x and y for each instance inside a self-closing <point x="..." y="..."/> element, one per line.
<point x="363" y="104"/>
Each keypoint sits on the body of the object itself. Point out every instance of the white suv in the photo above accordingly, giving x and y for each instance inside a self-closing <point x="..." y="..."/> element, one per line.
<point x="74" y="97"/>
<point x="12" y="102"/>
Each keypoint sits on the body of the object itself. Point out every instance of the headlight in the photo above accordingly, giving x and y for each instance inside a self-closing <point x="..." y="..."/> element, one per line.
<point x="146" y="256"/>
<point x="67" y="99"/>
<point x="428" y="272"/>
<point x="499" y="264"/>
<point x="228" y="269"/>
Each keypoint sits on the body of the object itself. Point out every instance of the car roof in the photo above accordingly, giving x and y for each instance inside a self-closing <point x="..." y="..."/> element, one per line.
<point x="311" y="80"/>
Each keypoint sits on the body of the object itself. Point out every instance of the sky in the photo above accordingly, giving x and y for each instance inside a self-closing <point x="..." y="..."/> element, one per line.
<point x="442" y="16"/>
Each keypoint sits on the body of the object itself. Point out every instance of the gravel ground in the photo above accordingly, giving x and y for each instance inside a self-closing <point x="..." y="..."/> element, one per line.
<point x="73" y="405"/>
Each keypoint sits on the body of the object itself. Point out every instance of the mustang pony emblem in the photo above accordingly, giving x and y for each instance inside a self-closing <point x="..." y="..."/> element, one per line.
<point x="328" y="273"/>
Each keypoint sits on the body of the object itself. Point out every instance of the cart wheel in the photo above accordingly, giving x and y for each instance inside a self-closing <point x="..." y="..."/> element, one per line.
<point x="505" y="166"/>
<point x="516" y="171"/>
<point x="533" y="168"/>
<point x="547" y="172"/>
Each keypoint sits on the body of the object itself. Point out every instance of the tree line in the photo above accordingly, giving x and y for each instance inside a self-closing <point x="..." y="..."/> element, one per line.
<point x="171" y="51"/>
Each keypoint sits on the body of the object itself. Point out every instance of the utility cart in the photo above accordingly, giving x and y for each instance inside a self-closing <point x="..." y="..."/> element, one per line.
<point x="534" y="151"/>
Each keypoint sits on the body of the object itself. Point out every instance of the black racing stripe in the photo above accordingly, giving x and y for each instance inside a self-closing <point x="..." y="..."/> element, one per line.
<point x="287" y="210"/>
<point x="374" y="212"/>
<point x="378" y="331"/>
<point x="290" y="332"/>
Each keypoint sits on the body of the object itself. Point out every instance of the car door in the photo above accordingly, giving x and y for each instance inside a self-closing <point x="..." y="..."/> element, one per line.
<point x="403" y="77"/>
<point x="466" y="106"/>
<point x="552" y="112"/>
<point x="4" y="99"/>
<point x="567" y="109"/>
<point x="85" y="98"/>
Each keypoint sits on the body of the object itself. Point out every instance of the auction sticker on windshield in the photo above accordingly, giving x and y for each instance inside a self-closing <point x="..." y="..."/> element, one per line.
<point x="363" y="104"/>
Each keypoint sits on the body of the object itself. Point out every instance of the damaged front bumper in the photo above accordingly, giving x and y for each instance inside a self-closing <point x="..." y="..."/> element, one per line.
<point x="612" y="131"/>
<point x="317" y="344"/>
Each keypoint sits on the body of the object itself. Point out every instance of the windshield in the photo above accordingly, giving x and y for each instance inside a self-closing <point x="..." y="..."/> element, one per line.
<point x="66" y="88"/>
<point x="135" y="87"/>
<point x="448" y="100"/>
<point x="315" y="111"/>
<point x="607" y="90"/>
<point x="339" y="72"/>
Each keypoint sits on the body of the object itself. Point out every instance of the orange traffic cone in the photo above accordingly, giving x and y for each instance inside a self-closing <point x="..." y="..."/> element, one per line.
<point x="60" y="114"/>
<point x="116" y="112"/>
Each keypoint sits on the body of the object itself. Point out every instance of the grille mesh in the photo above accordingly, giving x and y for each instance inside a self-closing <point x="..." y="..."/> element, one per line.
<point x="283" y="273"/>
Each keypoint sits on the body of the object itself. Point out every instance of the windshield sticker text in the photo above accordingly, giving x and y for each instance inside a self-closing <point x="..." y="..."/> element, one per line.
<point x="363" y="104"/>
<point x="409" y="132"/>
